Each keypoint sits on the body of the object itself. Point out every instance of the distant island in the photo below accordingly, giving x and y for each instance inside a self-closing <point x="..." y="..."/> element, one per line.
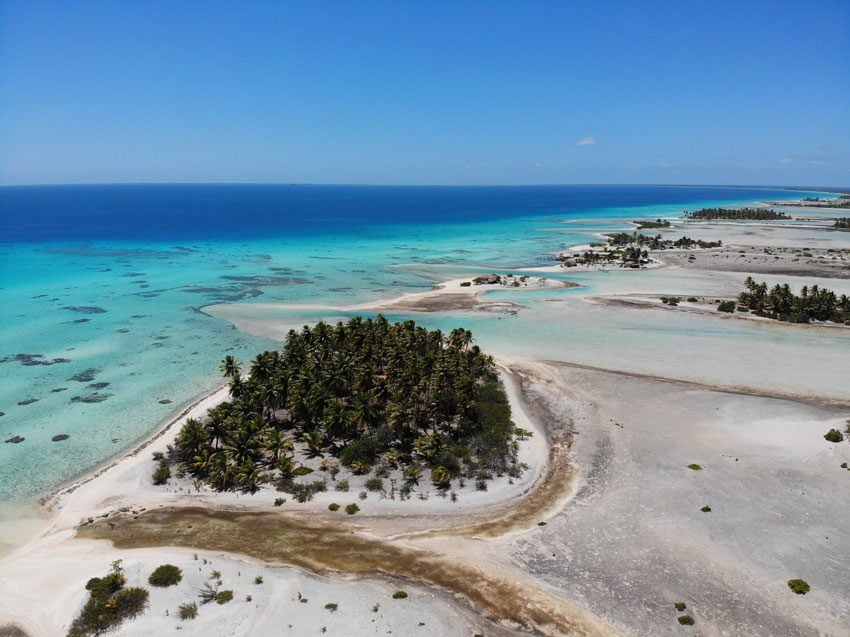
<point x="369" y="395"/>
<point x="737" y="214"/>
<point x="843" y="201"/>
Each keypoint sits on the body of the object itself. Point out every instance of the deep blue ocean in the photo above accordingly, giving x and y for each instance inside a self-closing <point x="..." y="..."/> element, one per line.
<point x="229" y="212"/>
<point x="101" y="334"/>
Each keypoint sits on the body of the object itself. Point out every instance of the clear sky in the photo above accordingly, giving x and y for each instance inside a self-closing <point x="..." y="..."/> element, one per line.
<point x="455" y="92"/>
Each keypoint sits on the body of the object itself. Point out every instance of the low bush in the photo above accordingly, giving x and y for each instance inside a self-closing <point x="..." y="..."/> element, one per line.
<point x="680" y="606"/>
<point x="833" y="435"/>
<point x="161" y="474"/>
<point x="692" y="299"/>
<point x="165" y="575"/>
<point x="333" y="506"/>
<point x="685" y="620"/>
<point x="352" y="508"/>
<point x="258" y="580"/>
<point x="726" y="306"/>
<point x="331" y="607"/>
<point x="108" y="605"/>
<point x="222" y="597"/>
<point x="187" y="611"/>
<point x="801" y="587"/>
<point x="706" y="509"/>
<point x="695" y="467"/>
<point x="342" y="485"/>
<point x="399" y="595"/>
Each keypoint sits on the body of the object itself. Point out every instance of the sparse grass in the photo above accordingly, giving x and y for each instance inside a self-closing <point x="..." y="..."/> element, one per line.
<point x="399" y="595"/>
<point x="342" y="485"/>
<point x="165" y="575"/>
<point x="685" y="620"/>
<point x="187" y="611"/>
<point x="374" y="484"/>
<point x="801" y="587"/>
<point x="695" y="467"/>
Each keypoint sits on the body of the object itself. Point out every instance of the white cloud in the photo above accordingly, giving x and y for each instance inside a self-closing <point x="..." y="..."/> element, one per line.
<point x="590" y="140"/>
<point x="665" y="165"/>
<point x="786" y="161"/>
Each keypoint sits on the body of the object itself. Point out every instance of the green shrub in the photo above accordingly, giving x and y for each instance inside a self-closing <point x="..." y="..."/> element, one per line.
<point x="279" y="501"/>
<point x="165" y="575"/>
<point x="833" y="435"/>
<point x="399" y="595"/>
<point x="331" y="607"/>
<point x="342" y="485"/>
<point x="692" y="299"/>
<point x="680" y="606"/>
<point x="726" y="306"/>
<point x="685" y="620"/>
<point x="222" y="597"/>
<point x="187" y="611"/>
<point x="801" y="587"/>
<point x="466" y="284"/>
<point x="258" y="580"/>
<point x="352" y="508"/>
<point x="706" y="509"/>
<point x="108" y="605"/>
<point x="695" y="467"/>
<point x="161" y="474"/>
<point x="333" y="506"/>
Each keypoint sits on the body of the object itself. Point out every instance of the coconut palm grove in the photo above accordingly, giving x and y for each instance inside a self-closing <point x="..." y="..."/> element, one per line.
<point x="373" y="395"/>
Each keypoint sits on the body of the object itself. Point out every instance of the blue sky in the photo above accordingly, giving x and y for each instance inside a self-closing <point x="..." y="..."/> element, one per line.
<point x="717" y="92"/>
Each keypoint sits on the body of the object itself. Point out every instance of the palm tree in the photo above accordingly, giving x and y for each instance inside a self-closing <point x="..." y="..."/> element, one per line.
<point x="229" y="366"/>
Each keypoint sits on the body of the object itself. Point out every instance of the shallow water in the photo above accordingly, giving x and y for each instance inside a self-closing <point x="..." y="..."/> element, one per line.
<point x="101" y="336"/>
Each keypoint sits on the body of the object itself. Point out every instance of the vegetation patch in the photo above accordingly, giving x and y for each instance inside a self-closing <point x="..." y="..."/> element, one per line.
<point x="801" y="587"/>
<point x="187" y="611"/>
<point x="706" y="509"/>
<point x="109" y="604"/>
<point x="685" y="620"/>
<point x="333" y="506"/>
<point x="695" y="467"/>
<point x="780" y="303"/>
<point x="399" y="595"/>
<point x="165" y="575"/>
<point x="352" y="508"/>
<point x="833" y="435"/>
<point x="739" y="214"/>
<point x="362" y="391"/>
<point x="222" y="597"/>
<point x="680" y="606"/>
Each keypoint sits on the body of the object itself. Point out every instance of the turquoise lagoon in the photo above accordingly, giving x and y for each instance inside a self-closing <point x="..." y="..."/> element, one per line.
<point x="102" y="337"/>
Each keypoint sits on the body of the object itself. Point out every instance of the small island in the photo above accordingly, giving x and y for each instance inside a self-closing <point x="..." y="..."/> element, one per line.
<point x="736" y="214"/>
<point x="780" y="303"/>
<point x="358" y="396"/>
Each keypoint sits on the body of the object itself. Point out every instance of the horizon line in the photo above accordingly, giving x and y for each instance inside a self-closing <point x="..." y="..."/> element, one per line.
<point x="825" y="188"/>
